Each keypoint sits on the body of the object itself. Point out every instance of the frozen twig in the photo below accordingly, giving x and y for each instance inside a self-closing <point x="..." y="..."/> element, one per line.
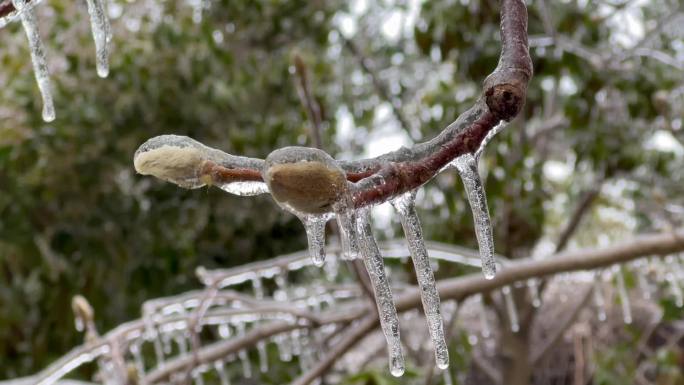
<point x="377" y="179"/>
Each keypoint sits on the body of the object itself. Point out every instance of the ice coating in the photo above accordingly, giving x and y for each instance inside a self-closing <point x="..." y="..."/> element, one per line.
<point x="488" y="138"/>
<point x="99" y="24"/>
<point x="304" y="180"/>
<point x="405" y="206"/>
<point x="467" y="168"/>
<point x="389" y="322"/>
<point x="40" y="68"/>
<point x="244" y="188"/>
<point x="511" y="310"/>
<point x="190" y="164"/>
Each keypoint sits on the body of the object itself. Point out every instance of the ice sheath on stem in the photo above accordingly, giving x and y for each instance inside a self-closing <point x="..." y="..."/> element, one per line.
<point x="40" y="68"/>
<point x="467" y="168"/>
<point x="389" y="322"/>
<point x="405" y="206"/>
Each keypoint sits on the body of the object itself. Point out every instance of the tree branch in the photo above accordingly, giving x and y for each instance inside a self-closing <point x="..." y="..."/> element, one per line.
<point x="377" y="179"/>
<point x="379" y="86"/>
<point x="639" y="247"/>
<point x="313" y="110"/>
<point x="451" y="289"/>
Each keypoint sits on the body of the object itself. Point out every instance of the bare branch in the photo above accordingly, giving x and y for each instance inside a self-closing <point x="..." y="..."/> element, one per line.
<point x="313" y="110"/>
<point x="639" y="247"/>
<point x="379" y="86"/>
<point x="587" y="199"/>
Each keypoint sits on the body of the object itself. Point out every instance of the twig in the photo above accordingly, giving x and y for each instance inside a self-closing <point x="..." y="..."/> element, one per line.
<point x="311" y="106"/>
<point x="450" y="289"/>
<point x="379" y="86"/>
<point x="587" y="199"/>
<point x="503" y="96"/>
<point x="336" y="352"/>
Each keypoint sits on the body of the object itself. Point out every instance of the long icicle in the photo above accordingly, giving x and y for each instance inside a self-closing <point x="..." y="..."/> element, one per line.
<point x="40" y="68"/>
<point x="346" y="221"/>
<point x="99" y="24"/>
<point x="405" y="206"/>
<point x="389" y="322"/>
<point x="467" y="168"/>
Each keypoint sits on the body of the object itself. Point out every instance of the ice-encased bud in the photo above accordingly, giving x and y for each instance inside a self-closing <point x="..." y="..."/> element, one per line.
<point x="304" y="180"/>
<point x="175" y="159"/>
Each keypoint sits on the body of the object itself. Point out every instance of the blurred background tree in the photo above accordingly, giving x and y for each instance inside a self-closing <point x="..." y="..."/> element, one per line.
<point x="600" y="138"/>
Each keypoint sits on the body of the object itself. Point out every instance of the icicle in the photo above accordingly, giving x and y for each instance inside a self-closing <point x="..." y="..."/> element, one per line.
<point x="533" y="285"/>
<point x="346" y="221"/>
<point x="488" y="138"/>
<point x="676" y="289"/>
<point x="315" y="233"/>
<point x="153" y="334"/>
<point x="166" y="343"/>
<point x="258" y="287"/>
<point x="138" y="358"/>
<point x="99" y="24"/>
<point x="405" y="206"/>
<point x="263" y="356"/>
<point x="511" y="310"/>
<point x="624" y="296"/>
<point x="242" y="354"/>
<point x="221" y="370"/>
<point x="284" y="349"/>
<point x="467" y="168"/>
<point x="484" y="320"/>
<point x="599" y="298"/>
<point x="296" y="343"/>
<point x="40" y="69"/>
<point x="389" y="321"/>
<point x="281" y="284"/>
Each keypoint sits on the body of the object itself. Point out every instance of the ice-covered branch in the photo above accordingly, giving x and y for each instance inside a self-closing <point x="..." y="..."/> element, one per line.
<point x="641" y="246"/>
<point x="378" y="179"/>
